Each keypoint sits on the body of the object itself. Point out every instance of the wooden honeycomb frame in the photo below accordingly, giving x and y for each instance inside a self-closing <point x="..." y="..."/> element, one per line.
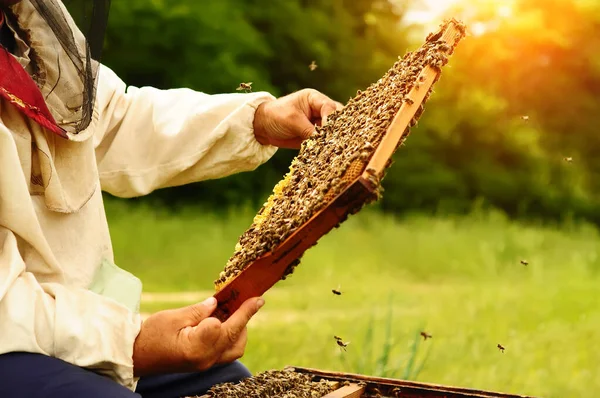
<point x="348" y="385"/>
<point x="266" y="271"/>
<point x="361" y="386"/>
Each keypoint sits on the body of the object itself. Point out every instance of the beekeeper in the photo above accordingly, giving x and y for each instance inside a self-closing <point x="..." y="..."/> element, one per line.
<point x="69" y="128"/>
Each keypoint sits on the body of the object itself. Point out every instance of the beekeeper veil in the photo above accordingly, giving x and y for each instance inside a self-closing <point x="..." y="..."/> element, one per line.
<point x="65" y="40"/>
<point x="59" y="44"/>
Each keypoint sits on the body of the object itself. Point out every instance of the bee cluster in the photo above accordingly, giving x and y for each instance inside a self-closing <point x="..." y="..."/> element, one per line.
<point x="274" y="383"/>
<point x="342" y="146"/>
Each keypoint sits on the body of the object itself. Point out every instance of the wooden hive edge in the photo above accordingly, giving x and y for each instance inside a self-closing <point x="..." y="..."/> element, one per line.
<point x="397" y="130"/>
<point x="402" y="388"/>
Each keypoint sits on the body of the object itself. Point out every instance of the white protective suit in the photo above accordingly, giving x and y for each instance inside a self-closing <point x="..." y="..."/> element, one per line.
<point x="60" y="293"/>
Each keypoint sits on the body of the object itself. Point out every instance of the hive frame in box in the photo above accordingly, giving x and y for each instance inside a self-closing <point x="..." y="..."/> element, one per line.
<point x="371" y="386"/>
<point x="348" y="385"/>
<point x="342" y="390"/>
<point x="266" y="271"/>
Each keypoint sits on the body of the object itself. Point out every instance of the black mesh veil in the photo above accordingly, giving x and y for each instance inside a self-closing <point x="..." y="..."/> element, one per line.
<point x="91" y="18"/>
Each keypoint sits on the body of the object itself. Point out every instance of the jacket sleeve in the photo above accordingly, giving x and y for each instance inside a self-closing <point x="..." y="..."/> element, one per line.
<point x="149" y="138"/>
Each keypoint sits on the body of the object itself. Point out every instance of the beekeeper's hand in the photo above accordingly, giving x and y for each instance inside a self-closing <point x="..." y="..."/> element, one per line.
<point x="287" y="121"/>
<point x="189" y="340"/>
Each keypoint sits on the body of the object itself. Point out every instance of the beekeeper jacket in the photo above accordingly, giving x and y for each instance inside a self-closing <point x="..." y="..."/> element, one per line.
<point x="61" y="293"/>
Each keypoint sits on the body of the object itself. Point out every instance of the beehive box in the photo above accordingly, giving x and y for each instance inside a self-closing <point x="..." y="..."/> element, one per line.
<point x="312" y="383"/>
<point x="336" y="172"/>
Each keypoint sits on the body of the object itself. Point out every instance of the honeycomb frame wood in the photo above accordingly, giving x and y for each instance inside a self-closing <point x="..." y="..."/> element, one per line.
<point x="298" y="382"/>
<point x="357" y="185"/>
<point x="396" y="388"/>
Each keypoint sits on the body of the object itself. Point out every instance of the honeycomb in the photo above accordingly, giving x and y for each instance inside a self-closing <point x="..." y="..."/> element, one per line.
<point x="336" y="155"/>
<point x="273" y="383"/>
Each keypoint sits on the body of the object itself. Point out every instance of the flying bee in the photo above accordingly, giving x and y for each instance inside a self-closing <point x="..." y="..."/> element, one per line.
<point x="525" y="117"/>
<point x="313" y="65"/>
<point x="337" y="291"/>
<point x="568" y="159"/>
<point x="426" y="335"/>
<point x="342" y="344"/>
<point x="501" y="348"/>
<point x="337" y="338"/>
<point x="524" y="262"/>
<point x="247" y="87"/>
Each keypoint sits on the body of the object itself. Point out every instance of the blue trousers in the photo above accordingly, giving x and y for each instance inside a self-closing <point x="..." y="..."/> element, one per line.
<point x="25" y="375"/>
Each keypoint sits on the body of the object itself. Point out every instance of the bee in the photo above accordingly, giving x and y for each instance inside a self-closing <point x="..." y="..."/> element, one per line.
<point x="313" y="65"/>
<point x="501" y="348"/>
<point x="525" y="117"/>
<point x="409" y="101"/>
<point x="444" y="47"/>
<point x="364" y="156"/>
<point x="434" y="37"/>
<point x="568" y="159"/>
<point x="247" y="87"/>
<point x="426" y="336"/>
<point x="341" y="343"/>
<point x="524" y="262"/>
<point x="337" y="291"/>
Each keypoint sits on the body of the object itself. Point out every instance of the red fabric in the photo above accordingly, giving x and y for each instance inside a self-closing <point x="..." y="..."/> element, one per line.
<point x="19" y="89"/>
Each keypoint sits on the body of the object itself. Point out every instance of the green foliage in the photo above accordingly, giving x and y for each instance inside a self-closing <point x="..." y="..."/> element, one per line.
<point x="472" y="147"/>
<point x="208" y="46"/>
<point x="540" y="62"/>
<point x="212" y="46"/>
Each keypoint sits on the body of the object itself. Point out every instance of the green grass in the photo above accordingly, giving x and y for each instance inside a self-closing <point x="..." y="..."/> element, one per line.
<point x="460" y="279"/>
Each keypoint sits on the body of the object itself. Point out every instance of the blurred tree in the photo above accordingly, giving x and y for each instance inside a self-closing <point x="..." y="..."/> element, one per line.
<point x="208" y="46"/>
<point x="520" y="96"/>
<point x="213" y="45"/>
<point x="530" y="58"/>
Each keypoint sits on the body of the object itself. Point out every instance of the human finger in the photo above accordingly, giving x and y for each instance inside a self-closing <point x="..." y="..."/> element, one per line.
<point x="195" y="313"/>
<point x="322" y="106"/>
<point x="319" y="104"/>
<point x="293" y="143"/>
<point x="235" y="325"/>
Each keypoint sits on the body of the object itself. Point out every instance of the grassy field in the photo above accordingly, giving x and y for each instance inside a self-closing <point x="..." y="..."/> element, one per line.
<point x="459" y="279"/>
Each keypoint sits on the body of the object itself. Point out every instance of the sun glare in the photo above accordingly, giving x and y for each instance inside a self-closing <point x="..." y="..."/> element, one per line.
<point x="428" y="13"/>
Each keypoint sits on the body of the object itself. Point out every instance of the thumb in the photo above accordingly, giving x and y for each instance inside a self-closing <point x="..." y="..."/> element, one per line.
<point x="235" y="325"/>
<point x="327" y="110"/>
<point x="303" y="128"/>
<point x="195" y="313"/>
